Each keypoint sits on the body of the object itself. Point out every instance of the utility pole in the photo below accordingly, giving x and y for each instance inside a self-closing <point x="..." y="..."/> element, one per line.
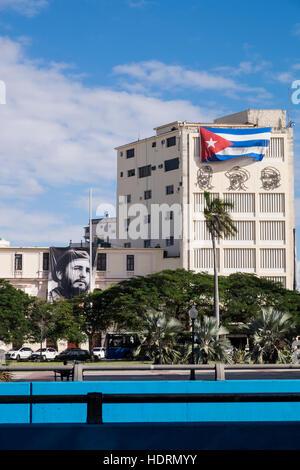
<point x="91" y="240"/>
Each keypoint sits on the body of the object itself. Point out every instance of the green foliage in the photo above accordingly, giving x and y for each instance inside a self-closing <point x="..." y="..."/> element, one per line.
<point x="218" y="220"/>
<point x="245" y="295"/>
<point x="65" y="324"/>
<point x="152" y="335"/>
<point x="14" y="307"/>
<point x="239" y="356"/>
<point x="209" y="343"/>
<point x="272" y="333"/>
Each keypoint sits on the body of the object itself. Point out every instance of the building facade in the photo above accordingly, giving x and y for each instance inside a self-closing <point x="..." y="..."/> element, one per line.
<point x="166" y="169"/>
<point x="27" y="268"/>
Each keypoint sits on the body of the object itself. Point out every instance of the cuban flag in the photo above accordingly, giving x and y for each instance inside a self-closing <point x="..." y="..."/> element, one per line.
<point x="223" y="144"/>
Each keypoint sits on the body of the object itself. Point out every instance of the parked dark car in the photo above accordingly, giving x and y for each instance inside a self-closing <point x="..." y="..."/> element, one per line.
<point x="73" y="354"/>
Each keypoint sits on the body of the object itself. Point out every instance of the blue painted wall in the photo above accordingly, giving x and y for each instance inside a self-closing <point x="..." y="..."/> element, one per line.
<point x="76" y="413"/>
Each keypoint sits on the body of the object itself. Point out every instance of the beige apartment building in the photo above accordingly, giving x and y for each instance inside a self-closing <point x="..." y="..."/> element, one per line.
<point x="27" y="268"/>
<point x="166" y="169"/>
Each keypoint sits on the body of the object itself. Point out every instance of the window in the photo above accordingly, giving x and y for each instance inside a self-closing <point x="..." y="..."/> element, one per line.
<point x="203" y="258"/>
<point x="45" y="261"/>
<point x="242" y="202"/>
<point x="127" y="223"/>
<point x="199" y="201"/>
<point x="153" y="168"/>
<point x="170" y="189"/>
<point x="171" y="141"/>
<point x="153" y="144"/>
<point x="18" y="262"/>
<point x="144" y="171"/>
<point x="130" y="153"/>
<point x="148" y="219"/>
<point x="121" y="174"/>
<point x="172" y="164"/>
<point x="160" y="165"/>
<point x="127" y="245"/>
<point x="239" y="258"/>
<point x="272" y="203"/>
<point x="148" y="194"/>
<point x="276" y="148"/>
<point x="201" y="231"/>
<point x="147" y="243"/>
<point x="245" y="231"/>
<point x="130" y="262"/>
<point x="273" y="230"/>
<point x="272" y="258"/>
<point x="101" y="262"/>
<point x="196" y="141"/>
<point x="280" y="279"/>
<point x="128" y="198"/>
<point x="170" y="241"/>
<point x="121" y="154"/>
<point x="171" y="215"/>
<point x="131" y="172"/>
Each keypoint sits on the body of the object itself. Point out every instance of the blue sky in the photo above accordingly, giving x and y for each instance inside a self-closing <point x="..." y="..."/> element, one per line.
<point x="84" y="76"/>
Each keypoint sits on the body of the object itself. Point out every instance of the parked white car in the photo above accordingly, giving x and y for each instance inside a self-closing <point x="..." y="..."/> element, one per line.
<point x="19" y="354"/>
<point x="99" y="353"/>
<point x="46" y="354"/>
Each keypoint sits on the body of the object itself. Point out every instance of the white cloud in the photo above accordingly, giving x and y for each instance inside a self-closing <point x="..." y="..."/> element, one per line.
<point x="36" y="228"/>
<point x="24" y="7"/>
<point x="57" y="132"/>
<point x="170" y="76"/>
<point x="245" y="67"/>
<point x="297" y="29"/>
<point x="285" y="77"/>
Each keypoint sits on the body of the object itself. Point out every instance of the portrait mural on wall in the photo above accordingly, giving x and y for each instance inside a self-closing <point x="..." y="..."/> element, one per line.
<point x="69" y="272"/>
<point x="237" y="178"/>
<point x="204" y="177"/>
<point x="270" y="178"/>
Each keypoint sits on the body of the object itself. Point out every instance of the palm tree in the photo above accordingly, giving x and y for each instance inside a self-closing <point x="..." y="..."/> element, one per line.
<point x="219" y="224"/>
<point x="271" y="332"/>
<point x="209" y="347"/>
<point x="159" y="341"/>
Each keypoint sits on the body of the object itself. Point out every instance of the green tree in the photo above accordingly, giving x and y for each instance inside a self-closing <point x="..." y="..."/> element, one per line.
<point x="219" y="224"/>
<point x="65" y="325"/>
<point x="209" y="345"/>
<point x="40" y="320"/>
<point x="159" y="340"/>
<point x="245" y="295"/>
<point x="272" y="332"/>
<point x="14" y="307"/>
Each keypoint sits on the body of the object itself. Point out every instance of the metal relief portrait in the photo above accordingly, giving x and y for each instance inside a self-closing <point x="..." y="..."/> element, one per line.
<point x="237" y="178"/>
<point x="204" y="177"/>
<point x="270" y="178"/>
<point x="69" y="273"/>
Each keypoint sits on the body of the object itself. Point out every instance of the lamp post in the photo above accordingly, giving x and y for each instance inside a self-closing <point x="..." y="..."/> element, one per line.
<point x="193" y="314"/>
<point x="42" y="337"/>
<point x="159" y="325"/>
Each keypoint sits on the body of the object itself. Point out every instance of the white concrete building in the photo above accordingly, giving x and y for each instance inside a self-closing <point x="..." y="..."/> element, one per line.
<point x="104" y="229"/>
<point x="166" y="169"/>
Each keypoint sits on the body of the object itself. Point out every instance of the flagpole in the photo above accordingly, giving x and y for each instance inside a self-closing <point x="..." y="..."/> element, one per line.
<point x="91" y="238"/>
